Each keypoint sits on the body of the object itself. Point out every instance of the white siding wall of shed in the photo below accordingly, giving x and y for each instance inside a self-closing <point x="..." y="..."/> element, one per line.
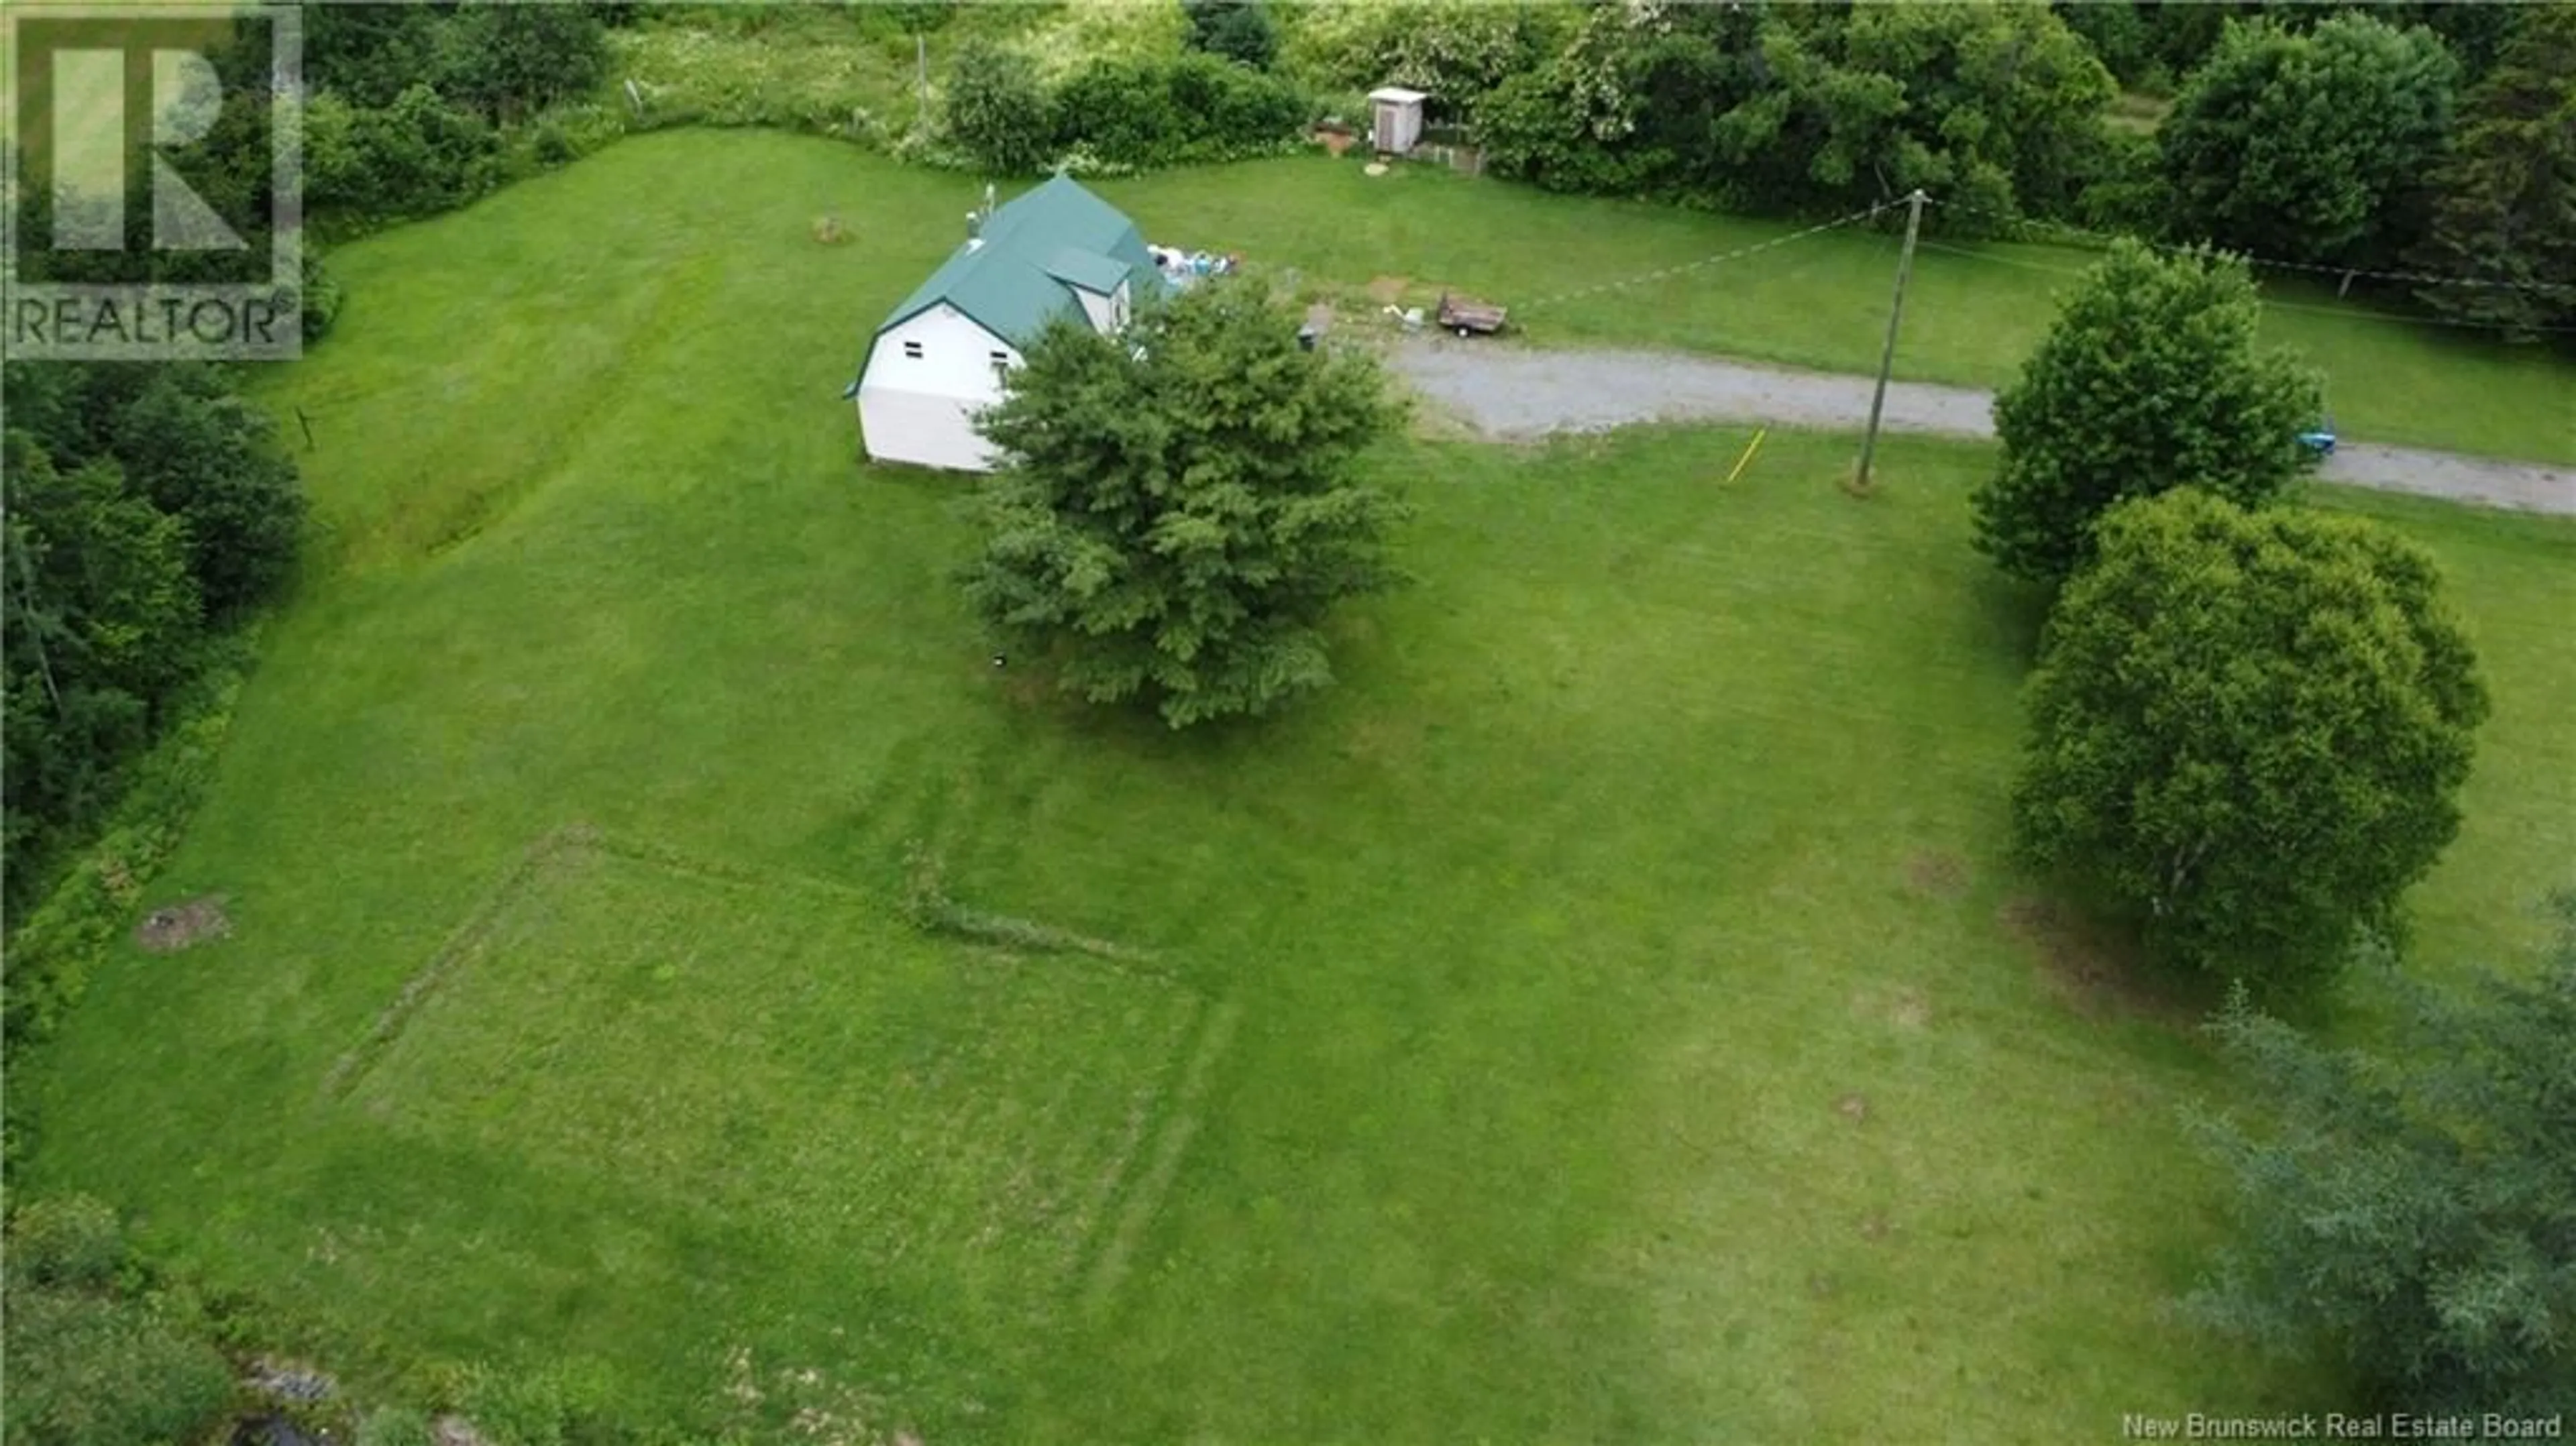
<point x="1105" y="313"/>
<point x="1398" y="120"/>
<point x="922" y="410"/>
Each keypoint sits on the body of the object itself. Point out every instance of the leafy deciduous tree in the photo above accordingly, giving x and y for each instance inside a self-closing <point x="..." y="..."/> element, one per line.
<point x="1997" y="106"/>
<point x="2150" y="379"/>
<point x="2414" y="1213"/>
<point x="1178" y="506"/>
<point x="2247" y="728"/>
<point x="1455" y="50"/>
<point x="2311" y="147"/>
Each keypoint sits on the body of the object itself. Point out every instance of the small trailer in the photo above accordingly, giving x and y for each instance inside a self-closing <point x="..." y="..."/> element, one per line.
<point x="1469" y="317"/>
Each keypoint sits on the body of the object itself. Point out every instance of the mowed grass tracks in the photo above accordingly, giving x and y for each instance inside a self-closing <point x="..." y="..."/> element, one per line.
<point x="1606" y="1016"/>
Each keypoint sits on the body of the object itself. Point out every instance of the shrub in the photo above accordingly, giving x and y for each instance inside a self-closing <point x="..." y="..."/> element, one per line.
<point x="994" y="110"/>
<point x="1195" y="108"/>
<point x="68" y="1242"/>
<point x="1070" y="36"/>
<point x="1533" y="128"/>
<point x="547" y="1406"/>
<point x="86" y="1367"/>
<point x="85" y="1370"/>
<point x="1455" y="50"/>
<point x="2123" y="189"/>
<point x="1237" y="30"/>
<point x="1120" y="110"/>
<point x="397" y="1426"/>
<point x="320" y="297"/>
<point x="417" y="156"/>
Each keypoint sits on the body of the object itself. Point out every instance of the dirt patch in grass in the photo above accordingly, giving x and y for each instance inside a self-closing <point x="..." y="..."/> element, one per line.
<point x="2096" y="970"/>
<point x="1853" y="1108"/>
<point x="1902" y="1005"/>
<point x="1937" y="875"/>
<point x="1388" y="290"/>
<point x="169" y="929"/>
<point x="1911" y="1008"/>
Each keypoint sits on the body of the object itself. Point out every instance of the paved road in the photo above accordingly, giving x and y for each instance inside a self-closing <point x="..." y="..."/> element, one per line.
<point x="1514" y="392"/>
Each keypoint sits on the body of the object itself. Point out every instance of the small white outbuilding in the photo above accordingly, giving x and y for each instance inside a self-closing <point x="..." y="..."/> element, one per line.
<point x="1053" y="251"/>
<point x="1396" y="119"/>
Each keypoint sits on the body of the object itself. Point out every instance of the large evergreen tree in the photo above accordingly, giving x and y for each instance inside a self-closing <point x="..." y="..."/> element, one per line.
<point x="1179" y="505"/>
<point x="2412" y="1213"/>
<point x="2506" y="213"/>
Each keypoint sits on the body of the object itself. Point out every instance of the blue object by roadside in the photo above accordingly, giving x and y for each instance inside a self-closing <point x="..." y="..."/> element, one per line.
<point x="2319" y="439"/>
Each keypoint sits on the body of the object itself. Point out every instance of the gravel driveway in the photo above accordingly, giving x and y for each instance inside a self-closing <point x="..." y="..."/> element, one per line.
<point x="1516" y="393"/>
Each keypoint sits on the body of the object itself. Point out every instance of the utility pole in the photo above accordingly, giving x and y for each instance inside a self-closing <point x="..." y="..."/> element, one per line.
<point x="1887" y="355"/>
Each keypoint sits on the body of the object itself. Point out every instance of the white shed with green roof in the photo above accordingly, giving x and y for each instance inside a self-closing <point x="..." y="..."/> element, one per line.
<point x="1054" y="251"/>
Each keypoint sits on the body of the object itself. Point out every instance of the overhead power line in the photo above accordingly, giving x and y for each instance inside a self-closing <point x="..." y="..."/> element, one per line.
<point x="2349" y="311"/>
<point x="2417" y="278"/>
<point x="1737" y="254"/>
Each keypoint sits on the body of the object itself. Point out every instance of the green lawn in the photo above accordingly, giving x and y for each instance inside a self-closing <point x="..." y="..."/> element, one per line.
<point x="1972" y="311"/>
<point x="1603" y="1017"/>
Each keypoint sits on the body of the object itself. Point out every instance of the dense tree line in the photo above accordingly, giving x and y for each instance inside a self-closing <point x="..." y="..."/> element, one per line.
<point x="148" y="508"/>
<point x="1796" y="107"/>
<point x="1206" y="104"/>
<point x="407" y="106"/>
<point x="2340" y="136"/>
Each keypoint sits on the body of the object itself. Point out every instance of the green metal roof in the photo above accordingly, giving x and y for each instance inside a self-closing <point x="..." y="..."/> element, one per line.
<point x="1037" y="246"/>
<point x="1087" y="269"/>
